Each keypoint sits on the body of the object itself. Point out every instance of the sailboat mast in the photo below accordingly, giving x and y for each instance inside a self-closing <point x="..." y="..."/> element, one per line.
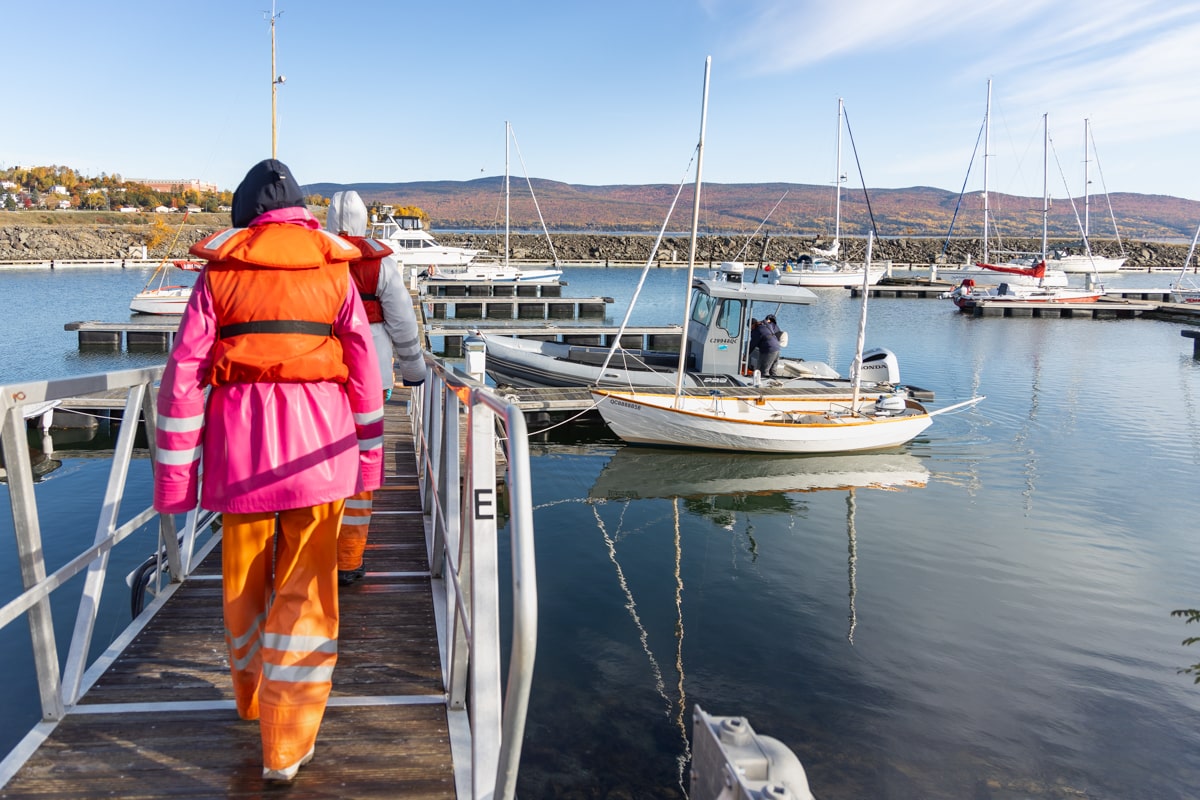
<point x="837" y="178"/>
<point x="1087" y="192"/>
<point x="507" y="138"/>
<point x="687" y="302"/>
<point x="987" y="134"/>
<point x="1045" y="180"/>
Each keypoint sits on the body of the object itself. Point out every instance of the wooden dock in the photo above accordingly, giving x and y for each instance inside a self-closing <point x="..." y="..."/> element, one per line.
<point x="442" y="307"/>
<point x="1105" y="308"/>
<point x="160" y="721"/>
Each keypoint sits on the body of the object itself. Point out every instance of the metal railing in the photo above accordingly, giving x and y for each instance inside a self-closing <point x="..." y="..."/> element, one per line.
<point x="459" y="497"/>
<point x="61" y="690"/>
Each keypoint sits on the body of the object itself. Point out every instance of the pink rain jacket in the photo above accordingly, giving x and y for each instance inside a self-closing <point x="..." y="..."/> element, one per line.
<point x="266" y="446"/>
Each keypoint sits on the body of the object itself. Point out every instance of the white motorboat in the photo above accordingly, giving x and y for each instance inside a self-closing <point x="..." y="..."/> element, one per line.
<point x="413" y="246"/>
<point x="717" y="338"/>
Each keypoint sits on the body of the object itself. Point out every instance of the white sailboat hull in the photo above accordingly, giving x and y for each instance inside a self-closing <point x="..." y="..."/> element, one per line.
<point x="722" y="423"/>
<point x="494" y="273"/>
<point x="1081" y="264"/>
<point x="839" y="276"/>
<point x="168" y="300"/>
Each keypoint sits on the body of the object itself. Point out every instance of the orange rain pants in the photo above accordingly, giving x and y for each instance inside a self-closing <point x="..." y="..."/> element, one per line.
<point x="352" y="539"/>
<point x="281" y="622"/>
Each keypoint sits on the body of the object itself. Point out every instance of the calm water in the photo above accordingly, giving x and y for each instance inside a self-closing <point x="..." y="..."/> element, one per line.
<point x="994" y="622"/>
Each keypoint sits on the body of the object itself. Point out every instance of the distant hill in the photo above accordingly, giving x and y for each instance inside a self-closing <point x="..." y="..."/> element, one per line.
<point x="806" y="210"/>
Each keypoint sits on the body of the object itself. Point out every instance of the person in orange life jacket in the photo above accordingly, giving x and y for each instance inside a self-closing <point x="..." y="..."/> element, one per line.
<point x="276" y="335"/>
<point x="394" y="329"/>
<point x="765" y="338"/>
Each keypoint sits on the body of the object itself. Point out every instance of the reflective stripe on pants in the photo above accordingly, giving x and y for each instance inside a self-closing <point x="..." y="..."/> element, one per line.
<point x="352" y="539"/>
<point x="282" y="624"/>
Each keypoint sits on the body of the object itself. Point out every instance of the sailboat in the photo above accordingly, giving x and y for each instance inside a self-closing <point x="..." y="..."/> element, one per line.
<point x="1087" y="261"/>
<point x="1018" y="271"/>
<point x="503" y="272"/>
<point x="967" y="294"/>
<point x="1183" y="291"/>
<point x="797" y="422"/>
<point x="158" y="297"/>
<point x="825" y="269"/>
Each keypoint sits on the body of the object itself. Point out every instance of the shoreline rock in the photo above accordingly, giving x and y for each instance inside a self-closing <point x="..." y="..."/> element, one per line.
<point x="102" y="242"/>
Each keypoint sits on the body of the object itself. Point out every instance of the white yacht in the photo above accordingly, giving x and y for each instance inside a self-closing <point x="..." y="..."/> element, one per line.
<point x="414" y="246"/>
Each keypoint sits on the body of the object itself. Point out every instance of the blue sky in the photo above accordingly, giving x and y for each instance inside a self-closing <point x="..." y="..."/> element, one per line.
<point x="609" y="93"/>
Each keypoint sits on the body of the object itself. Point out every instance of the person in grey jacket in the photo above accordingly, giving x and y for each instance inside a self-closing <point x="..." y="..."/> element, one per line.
<point x="389" y="309"/>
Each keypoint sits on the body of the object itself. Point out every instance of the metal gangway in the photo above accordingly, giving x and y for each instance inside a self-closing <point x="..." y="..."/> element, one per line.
<point x="443" y="443"/>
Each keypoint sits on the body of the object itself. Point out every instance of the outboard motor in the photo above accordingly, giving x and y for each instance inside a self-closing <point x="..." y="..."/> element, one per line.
<point x="891" y="405"/>
<point x="880" y="366"/>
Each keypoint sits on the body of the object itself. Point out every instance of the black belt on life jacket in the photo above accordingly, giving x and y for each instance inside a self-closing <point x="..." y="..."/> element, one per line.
<point x="368" y="297"/>
<point x="276" y="326"/>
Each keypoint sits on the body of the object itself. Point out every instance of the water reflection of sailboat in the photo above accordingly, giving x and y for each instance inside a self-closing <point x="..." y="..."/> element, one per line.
<point x="645" y="472"/>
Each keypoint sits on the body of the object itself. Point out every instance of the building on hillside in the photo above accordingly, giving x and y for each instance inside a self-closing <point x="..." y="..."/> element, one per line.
<point x="175" y="185"/>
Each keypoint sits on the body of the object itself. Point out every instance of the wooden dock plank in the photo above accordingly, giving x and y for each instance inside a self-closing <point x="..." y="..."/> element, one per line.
<point x="369" y="746"/>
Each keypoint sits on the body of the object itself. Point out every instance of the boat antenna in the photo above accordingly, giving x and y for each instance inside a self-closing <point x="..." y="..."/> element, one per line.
<point x="276" y="80"/>
<point x="856" y="368"/>
<point x="687" y="303"/>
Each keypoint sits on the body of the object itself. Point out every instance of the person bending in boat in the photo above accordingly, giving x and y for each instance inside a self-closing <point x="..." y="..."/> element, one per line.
<point x="293" y="425"/>
<point x="764" y="337"/>
<point x="394" y="328"/>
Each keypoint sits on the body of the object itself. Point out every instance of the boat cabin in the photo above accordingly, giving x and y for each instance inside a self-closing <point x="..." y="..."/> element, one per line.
<point x="718" y="330"/>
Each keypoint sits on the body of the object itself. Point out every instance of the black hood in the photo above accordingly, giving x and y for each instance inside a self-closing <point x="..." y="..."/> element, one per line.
<point x="268" y="185"/>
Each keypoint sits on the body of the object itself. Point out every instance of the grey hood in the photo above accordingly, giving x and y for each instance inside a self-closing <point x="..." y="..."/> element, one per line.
<point x="347" y="213"/>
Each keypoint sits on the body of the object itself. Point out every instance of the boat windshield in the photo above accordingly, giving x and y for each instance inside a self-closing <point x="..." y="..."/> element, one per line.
<point x="702" y="306"/>
<point x="730" y="318"/>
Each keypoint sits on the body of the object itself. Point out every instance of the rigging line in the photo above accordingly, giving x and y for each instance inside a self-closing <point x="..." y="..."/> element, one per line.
<point x="683" y="758"/>
<point x="750" y="238"/>
<point x="646" y="270"/>
<point x="862" y="180"/>
<point x="1111" y="215"/>
<point x="962" y="192"/>
<point x="529" y="183"/>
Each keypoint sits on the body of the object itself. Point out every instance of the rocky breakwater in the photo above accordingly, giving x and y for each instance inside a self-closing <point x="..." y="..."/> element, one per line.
<point x="711" y="249"/>
<point x="45" y="243"/>
<point x="69" y="242"/>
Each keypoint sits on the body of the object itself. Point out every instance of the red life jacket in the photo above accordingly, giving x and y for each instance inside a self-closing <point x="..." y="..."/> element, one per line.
<point x="277" y="290"/>
<point x="365" y="272"/>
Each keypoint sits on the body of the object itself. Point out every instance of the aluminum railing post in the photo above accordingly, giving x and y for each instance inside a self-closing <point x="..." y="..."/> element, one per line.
<point x="32" y="558"/>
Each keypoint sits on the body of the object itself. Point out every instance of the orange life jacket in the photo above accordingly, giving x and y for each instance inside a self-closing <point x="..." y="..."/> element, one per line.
<point x="365" y="272"/>
<point x="277" y="290"/>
